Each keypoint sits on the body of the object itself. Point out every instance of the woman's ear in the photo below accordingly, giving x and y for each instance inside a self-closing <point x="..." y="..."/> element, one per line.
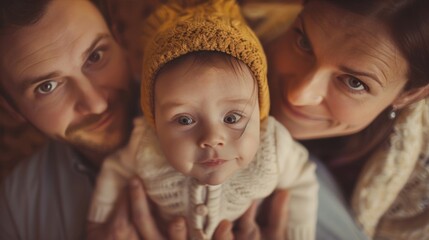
<point x="411" y="96"/>
<point x="5" y="106"/>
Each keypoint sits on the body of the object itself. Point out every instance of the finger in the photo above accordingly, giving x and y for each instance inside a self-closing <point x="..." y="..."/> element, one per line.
<point x="95" y="231"/>
<point x="224" y="231"/>
<point x="141" y="214"/>
<point x="120" y="225"/>
<point x="177" y="229"/>
<point x="278" y="212"/>
<point x="248" y="218"/>
<point x="247" y="226"/>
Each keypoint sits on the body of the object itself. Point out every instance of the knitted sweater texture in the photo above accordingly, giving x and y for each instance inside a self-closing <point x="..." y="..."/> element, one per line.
<point x="405" y="214"/>
<point x="280" y="163"/>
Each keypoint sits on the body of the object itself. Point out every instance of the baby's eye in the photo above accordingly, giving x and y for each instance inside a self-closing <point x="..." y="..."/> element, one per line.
<point x="354" y="83"/>
<point x="47" y="87"/>
<point x="232" y="118"/>
<point x="185" y="120"/>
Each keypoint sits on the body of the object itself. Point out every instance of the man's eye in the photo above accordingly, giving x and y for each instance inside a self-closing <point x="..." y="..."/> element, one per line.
<point x="95" y="57"/>
<point x="232" y="118"/>
<point x="47" y="87"/>
<point x="185" y="120"/>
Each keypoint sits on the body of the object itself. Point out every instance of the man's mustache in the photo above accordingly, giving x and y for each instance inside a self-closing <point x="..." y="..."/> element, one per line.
<point x="88" y="121"/>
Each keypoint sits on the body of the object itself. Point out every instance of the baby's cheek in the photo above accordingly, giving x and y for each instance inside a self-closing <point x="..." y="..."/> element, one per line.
<point x="248" y="151"/>
<point x="179" y="157"/>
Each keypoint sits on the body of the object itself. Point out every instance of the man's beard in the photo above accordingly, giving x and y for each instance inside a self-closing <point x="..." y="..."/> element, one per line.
<point x="99" y="144"/>
<point x="104" y="141"/>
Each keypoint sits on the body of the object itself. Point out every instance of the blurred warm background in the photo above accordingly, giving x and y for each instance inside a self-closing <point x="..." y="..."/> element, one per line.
<point x="17" y="141"/>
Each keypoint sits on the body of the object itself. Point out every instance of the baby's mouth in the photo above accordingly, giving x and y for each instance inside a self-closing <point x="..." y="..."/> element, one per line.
<point x="213" y="162"/>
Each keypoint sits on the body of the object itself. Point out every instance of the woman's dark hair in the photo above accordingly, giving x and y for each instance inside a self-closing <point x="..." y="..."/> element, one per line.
<point x="407" y="22"/>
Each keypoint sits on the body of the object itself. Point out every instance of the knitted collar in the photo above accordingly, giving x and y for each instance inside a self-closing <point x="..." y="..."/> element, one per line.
<point x="389" y="168"/>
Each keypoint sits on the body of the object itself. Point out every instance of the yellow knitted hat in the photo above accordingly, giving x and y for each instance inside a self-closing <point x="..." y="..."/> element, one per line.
<point x="174" y="30"/>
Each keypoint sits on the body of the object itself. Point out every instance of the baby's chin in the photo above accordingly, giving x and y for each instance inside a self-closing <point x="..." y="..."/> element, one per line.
<point x="213" y="178"/>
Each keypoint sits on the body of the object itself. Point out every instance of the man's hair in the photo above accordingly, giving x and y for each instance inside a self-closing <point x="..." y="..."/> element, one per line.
<point x="19" y="13"/>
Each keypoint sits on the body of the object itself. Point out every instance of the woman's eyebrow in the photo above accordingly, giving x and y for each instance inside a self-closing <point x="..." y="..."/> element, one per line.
<point x="358" y="73"/>
<point x="302" y="24"/>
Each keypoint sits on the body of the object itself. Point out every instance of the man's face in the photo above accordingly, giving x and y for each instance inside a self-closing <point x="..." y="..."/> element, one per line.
<point x="67" y="76"/>
<point x="207" y="118"/>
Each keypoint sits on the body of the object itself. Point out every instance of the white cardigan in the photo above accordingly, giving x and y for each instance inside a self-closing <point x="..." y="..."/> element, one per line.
<point x="279" y="163"/>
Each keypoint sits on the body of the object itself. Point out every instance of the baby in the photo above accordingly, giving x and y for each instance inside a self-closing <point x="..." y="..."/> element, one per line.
<point x="206" y="147"/>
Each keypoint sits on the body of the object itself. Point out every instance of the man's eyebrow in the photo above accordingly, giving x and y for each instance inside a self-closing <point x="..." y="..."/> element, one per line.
<point x="29" y="82"/>
<point x="33" y="80"/>
<point x="94" y="43"/>
<point x="365" y="74"/>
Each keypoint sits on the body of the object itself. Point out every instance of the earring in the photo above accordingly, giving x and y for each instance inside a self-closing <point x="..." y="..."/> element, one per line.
<point x="392" y="113"/>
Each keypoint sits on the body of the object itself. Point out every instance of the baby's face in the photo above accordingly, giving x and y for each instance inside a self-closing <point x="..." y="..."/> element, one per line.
<point x="207" y="118"/>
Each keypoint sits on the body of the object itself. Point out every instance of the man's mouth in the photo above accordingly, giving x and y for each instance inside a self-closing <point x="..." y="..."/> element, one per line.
<point x="92" y="123"/>
<point x="102" y="122"/>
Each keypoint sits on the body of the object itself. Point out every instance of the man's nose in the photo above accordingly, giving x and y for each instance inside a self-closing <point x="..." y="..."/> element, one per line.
<point x="92" y="98"/>
<point x="310" y="89"/>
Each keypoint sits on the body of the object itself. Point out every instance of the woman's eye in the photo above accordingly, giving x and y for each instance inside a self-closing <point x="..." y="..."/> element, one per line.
<point x="353" y="84"/>
<point x="47" y="87"/>
<point x="95" y="57"/>
<point x="185" y="120"/>
<point x="302" y="41"/>
<point x="232" y="118"/>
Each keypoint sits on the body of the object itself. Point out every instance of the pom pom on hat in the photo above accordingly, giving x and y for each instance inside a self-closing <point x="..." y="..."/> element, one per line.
<point x="174" y="30"/>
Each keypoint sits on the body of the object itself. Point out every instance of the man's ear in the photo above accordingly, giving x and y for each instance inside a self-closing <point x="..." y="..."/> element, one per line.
<point x="411" y="96"/>
<point x="9" y="109"/>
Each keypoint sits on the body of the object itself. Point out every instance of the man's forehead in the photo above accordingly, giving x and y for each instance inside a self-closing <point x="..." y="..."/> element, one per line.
<point x="66" y="26"/>
<point x="62" y="19"/>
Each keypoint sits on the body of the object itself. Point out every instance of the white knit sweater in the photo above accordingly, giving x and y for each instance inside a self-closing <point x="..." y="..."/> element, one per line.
<point x="279" y="163"/>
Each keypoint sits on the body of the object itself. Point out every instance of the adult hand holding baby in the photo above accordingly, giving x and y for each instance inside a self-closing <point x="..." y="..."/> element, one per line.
<point x="132" y="219"/>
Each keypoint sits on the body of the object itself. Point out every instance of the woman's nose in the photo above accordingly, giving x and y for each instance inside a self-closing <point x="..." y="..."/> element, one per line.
<point x="309" y="90"/>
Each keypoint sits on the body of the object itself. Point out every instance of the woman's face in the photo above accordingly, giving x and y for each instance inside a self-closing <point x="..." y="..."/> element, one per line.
<point x="333" y="72"/>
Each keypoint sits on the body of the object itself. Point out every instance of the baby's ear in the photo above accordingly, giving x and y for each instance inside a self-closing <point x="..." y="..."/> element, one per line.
<point x="7" y="108"/>
<point x="411" y="96"/>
